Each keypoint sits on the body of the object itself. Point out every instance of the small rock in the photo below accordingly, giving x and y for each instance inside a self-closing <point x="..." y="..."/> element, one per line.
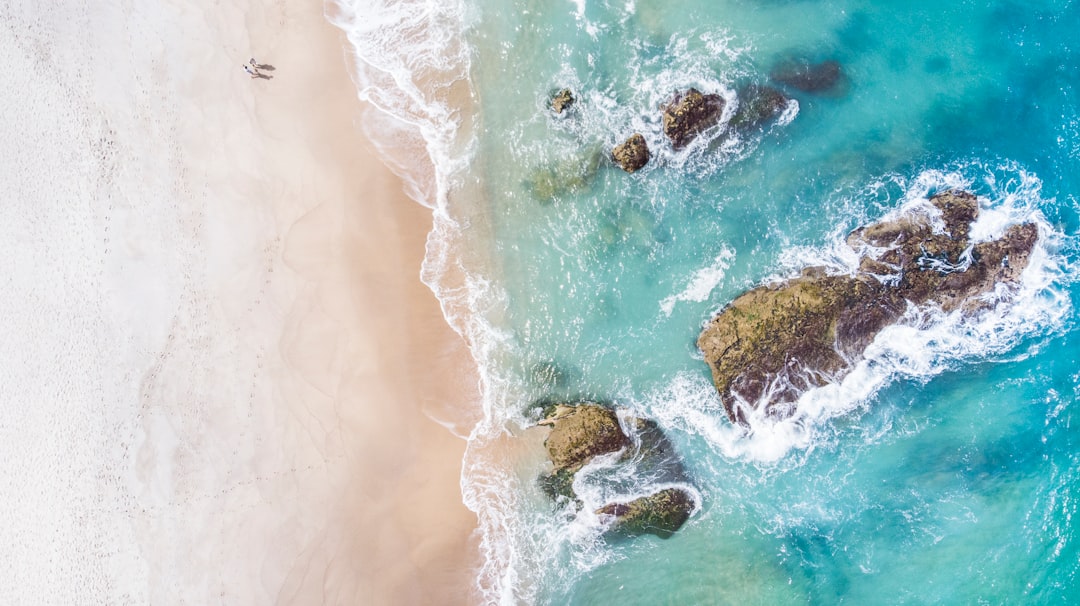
<point x="690" y="113"/>
<point x="631" y="154"/>
<point x="562" y="100"/>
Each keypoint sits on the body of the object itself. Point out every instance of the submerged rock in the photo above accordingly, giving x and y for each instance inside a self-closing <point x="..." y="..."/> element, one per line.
<point x="801" y="74"/>
<point x="568" y="174"/>
<point x="690" y="113"/>
<point x="582" y="432"/>
<point x="757" y="105"/>
<point x="661" y="513"/>
<point x="775" y="341"/>
<point x="562" y="100"/>
<point x="631" y="154"/>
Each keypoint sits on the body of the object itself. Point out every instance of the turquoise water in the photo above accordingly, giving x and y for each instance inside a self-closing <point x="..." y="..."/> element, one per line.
<point x="944" y="468"/>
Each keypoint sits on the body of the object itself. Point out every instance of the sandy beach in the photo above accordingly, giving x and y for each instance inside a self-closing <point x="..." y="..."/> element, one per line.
<point x="254" y="423"/>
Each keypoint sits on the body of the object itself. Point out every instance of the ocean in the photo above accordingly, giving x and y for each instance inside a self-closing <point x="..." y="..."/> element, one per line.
<point x="942" y="469"/>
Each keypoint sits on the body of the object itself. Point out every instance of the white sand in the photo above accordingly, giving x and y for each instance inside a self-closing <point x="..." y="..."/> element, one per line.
<point x="211" y="322"/>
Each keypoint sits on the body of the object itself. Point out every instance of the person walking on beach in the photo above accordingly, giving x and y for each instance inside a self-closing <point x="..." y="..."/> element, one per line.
<point x="253" y="72"/>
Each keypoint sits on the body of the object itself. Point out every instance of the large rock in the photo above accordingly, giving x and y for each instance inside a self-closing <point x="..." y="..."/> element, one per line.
<point x="825" y="77"/>
<point x="661" y="513"/>
<point x="775" y="341"/>
<point x="631" y="154"/>
<point x="690" y="113"/>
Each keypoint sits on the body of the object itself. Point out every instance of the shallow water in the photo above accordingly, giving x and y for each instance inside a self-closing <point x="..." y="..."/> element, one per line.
<point x="942" y="469"/>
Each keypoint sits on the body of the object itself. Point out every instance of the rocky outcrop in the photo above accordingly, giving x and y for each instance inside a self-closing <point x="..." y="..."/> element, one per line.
<point x="757" y="105"/>
<point x="661" y="513"/>
<point x="562" y="100"/>
<point x="690" y="113"/>
<point x="582" y="432"/>
<point x="825" y="77"/>
<point x="631" y="154"/>
<point x="775" y="341"/>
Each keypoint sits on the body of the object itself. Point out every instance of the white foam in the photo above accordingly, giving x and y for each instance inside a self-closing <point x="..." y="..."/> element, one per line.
<point x="408" y="56"/>
<point x="702" y="283"/>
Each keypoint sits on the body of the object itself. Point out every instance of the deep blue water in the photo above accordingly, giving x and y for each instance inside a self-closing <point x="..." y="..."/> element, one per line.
<point x="945" y="469"/>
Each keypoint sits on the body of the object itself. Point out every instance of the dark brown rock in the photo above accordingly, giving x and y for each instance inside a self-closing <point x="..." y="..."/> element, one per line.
<point x="775" y="341"/>
<point x="631" y="154"/>
<point x="690" y="113"/>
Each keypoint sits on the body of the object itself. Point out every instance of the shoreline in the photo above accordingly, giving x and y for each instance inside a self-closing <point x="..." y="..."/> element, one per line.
<point x="336" y="485"/>
<point x="401" y="496"/>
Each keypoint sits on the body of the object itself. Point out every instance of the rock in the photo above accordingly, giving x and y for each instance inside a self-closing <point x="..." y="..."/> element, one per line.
<point x="579" y="433"/>
<point x="690" y="113"/>
<point x="757" y="105"/>
<point x="801" y="74"/>
<point x="582" y="432"/>
<point x="562" y="100"/>
<point x="568" y="174"/>
<point x="661" y="513"/>
<point x="775" y="341"/>
<point x="558" y="485"/>
<point x="631" y="154"/>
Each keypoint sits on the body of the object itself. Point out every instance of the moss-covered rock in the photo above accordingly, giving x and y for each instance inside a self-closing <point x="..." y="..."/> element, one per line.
<point x="689" y="114"/>
<point x="558" y="485"/>
<point x="631" y="154"/>
<point x="661" y="513"/>
<point x="775" y="341"/>
<point x="580" y="433"/>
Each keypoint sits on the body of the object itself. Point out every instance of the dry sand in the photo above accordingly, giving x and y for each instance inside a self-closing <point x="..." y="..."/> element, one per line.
<point x="217" y="353"/>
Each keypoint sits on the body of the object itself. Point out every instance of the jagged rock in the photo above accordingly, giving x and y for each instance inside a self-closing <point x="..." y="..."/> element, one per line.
<point x="690" y="113"/>
<point x="631" y="154"/>
<point x="775" y="341"/>
<point x="757" y="105"/>
<point x="582" y="432"/>
<point x="562" y="100"/>
<point x="801" y="74"/>
<point x="661" y="513"/>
